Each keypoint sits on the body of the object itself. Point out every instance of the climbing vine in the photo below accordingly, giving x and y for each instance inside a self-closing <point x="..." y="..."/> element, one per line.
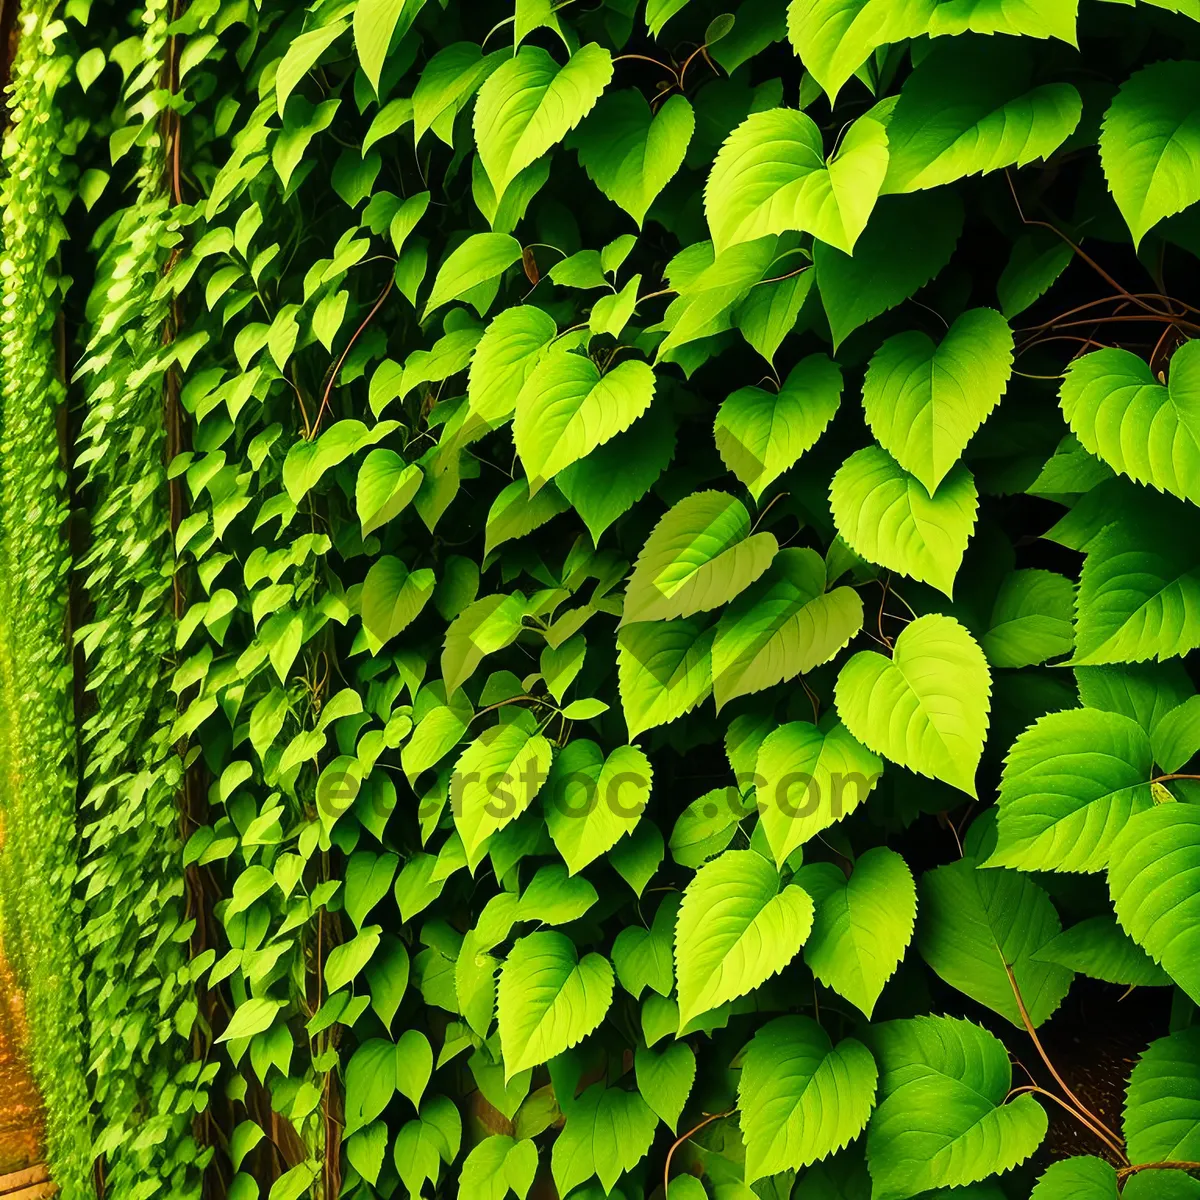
<point x="635" y="596"/>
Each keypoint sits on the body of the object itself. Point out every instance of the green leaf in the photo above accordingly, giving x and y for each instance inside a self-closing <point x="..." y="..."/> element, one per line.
<point x="926" y="708"/>
<point x="975" y="921"/>
<point x="302" y="56"/>
<point x="553" y="897"/>
<point x="529" y="104"/>
<point x="608" y="1132"/>
<point x="1123" y="415"/>
<point x="1038" y="258"/>
<point x="888" y="517"/>
<point x="1139" y="590"/>
<point x="966" y="110"/>
<point x="783" y="625"/>
<point x="770" y="312"/>
<point x="807" y="780"/>
<point x="637" y="858"/>
<point x="480" y="629"/>
<point x="706" y="826"/>
<point x="1099" y="949"/>
<point x="610" y="314"/>
<point x="862" y="925"/>
<point x="1077" y="1179"/>
<point x="664" y="670"/>
<point x="252" y="1017"/>
<point x="592" y="801"/>
<point x="346" y="961"/>
<point x="631" y="155"/>
<point x="370" y="1083"/>
<point x="385" y="487"/>
<point x="700" y="555"/>
<point x="376" y="22"/>
<point x="1050" y="18"/>
<point x="447" y="82"/>
<point x="392" y="598"/>
<point x="735" y="930"/>
<point x="614" y="477"/>
<point x="642" y="957"/>
<point x="1150" y="144"/>
<point x="1175" y="737"/>
<point x="924" y="403"/>
<point x="368" y="879"/>
<point x="942" y="1119"/>
<point x="511" y="346"/>
<point x="495" y="780"/>
<point x="665" y="1080"/>
<point x="548" y="999"/>
<point x="835" y="37"/>
<point x="566" y="409"/>
<point x="1071" y="783"/>
<point x="801" y="1097"/>
<point x="908" y="240"/>
<point x="761" y="434"/>
<point x="1031" y="621"/>
<point x="514" y="514"/>
<point x="483" y="256"/>
<point x="1154" y="881"/>
<point x="771" y="175"/>
<point x="414" y="1065"/>
<point x="1162" y="1103"/>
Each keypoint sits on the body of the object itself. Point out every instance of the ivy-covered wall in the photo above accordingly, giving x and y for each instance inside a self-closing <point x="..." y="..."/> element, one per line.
<point x="602" y="600"/>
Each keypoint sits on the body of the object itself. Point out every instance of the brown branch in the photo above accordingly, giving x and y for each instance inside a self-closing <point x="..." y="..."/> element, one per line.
<point x="1082" y="1108"/>
<point x="349" y="346"/>
<point x="1125" y="1172"/>
<point x="684" y="1137"/>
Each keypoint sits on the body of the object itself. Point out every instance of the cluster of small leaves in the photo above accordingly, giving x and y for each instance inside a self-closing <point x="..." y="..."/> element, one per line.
<point x="146" y="1070"/>
<point x="692" y="572"/>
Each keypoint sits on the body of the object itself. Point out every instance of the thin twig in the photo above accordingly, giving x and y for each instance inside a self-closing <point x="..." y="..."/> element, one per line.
<point x="680" y="1140"/>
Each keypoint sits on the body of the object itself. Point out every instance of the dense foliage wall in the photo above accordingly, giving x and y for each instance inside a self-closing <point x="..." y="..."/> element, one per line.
<point x="602" y="600"/>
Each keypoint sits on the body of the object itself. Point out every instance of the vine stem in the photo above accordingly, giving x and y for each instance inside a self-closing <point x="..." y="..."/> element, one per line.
<point x="1041" y="1091"/>
<point x="1091" y="262"/>
<point x="387" y="291"/>
<point x="1082" y="1110"/>
<point x="684" y="1137"/>
<point x="1125" y="1172"/>
<point x="1176" y="775"/>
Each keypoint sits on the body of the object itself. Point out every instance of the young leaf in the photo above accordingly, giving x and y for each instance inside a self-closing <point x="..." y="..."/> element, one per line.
<point x="665" y="1080"/>
<point x="862" y="925"/>
<point x="664" y="669"/>
<point x="783" y="625"/>
<point x="630" y="154"/>
<point x="483" y="256"/>
<point x="700" y="555"/>
<point x="888" y="517"/>
<point x="835" y="37"/>
<point x="735" y="930"/>
<point x="566" y="409"/>
<point x="925" y="402"/>
<point x="385" y="487"/>
<point x="530" y="103"/>
<point x="807" y="780"/>
<point x="608" y="1132"/>
<point x="548" y="999"/>
<point x="1150" y="145"/>
<point x="1123" y="415"/>
<point x="1071" y="783"/>
<point x="376" y="22"/>
<point x="801" y="1097"/>
<point x="1154" y="881"/>
<point x="495" y="780"/>
<point x="926" y="708"/>
<point x="771" y="176"/>
<point x="965" y="110"/>
<point x="974" y="922"/>
<point x="943" y="1120"/>
<point x="761" y="434"/>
